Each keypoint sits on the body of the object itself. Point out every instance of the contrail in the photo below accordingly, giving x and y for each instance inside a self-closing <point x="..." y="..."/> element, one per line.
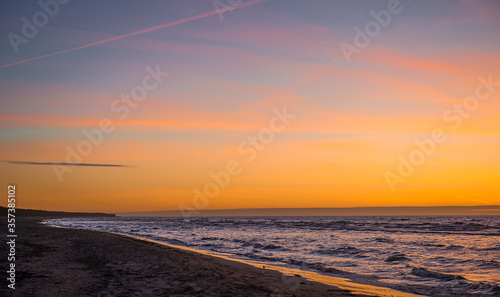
<point x="166" y="25"/>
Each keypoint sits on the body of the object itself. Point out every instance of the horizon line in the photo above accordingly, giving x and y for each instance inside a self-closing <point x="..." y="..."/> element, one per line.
<point x="318" y="208"/>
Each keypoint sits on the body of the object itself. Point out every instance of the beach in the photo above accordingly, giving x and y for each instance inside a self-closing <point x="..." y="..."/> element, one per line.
<point x="68" y="262"/>
<point x="431" y="256"/>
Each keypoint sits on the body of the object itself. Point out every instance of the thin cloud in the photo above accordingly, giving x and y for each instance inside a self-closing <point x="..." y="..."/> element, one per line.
<point x="12" y="118"/>
<point x="64" y="164"/>
<point x="162" y="26"/>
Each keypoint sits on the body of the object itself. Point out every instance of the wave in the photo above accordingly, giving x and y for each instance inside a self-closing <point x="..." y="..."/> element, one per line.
<point x="434" y="245"/>
<point x="454" y="247"/>
<point x="424" y="272"/>
<point x="272" y="247"/>
<point x="175" y="241"/>
<point x="300" y="263"/>
<point x="481" y="288"/>
<point x="344" y="250"/>
<point x="396" y="257"/>
<point x="316" y="266"/>
<point x="493" y="248"/>
<point x="383" y="239"/>
<point x="482" y="263"/>
<point x="212" y="238"/>
<point x="261" y="257"/>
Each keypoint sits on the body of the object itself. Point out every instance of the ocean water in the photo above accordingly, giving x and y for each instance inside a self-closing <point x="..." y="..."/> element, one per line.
<point x="432" y="256"/>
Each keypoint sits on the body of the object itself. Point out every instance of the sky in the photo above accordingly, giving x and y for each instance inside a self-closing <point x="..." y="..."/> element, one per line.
<point x="195" y="105"/>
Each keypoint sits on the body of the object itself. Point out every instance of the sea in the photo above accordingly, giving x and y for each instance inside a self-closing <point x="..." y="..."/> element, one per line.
<point x="430" y="256"/>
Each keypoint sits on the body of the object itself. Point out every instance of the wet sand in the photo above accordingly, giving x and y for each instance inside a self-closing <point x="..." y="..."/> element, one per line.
<point x="69" y="262"/>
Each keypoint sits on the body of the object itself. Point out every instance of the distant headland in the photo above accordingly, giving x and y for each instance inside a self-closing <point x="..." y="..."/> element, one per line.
<point x="52" y="214"/>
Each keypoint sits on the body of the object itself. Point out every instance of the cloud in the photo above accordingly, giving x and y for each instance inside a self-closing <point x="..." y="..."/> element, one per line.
<point x="64" y="164"/>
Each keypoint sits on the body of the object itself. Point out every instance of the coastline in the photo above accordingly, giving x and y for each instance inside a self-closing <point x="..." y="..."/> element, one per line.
<point x="74" y="262"/>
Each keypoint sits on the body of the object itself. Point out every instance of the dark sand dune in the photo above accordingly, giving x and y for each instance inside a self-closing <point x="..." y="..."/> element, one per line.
<point x="53" y="214"/>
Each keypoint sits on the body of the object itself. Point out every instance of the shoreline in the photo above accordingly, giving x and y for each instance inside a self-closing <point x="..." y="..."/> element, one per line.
<point x="55" y="261"/>
<point x="359" y="289"/>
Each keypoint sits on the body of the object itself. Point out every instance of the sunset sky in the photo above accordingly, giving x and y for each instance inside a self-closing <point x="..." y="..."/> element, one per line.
<point x="228" y="75"/>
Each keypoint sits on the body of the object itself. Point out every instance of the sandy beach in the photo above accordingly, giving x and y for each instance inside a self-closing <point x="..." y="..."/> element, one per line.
<point x="67" y="262"/>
